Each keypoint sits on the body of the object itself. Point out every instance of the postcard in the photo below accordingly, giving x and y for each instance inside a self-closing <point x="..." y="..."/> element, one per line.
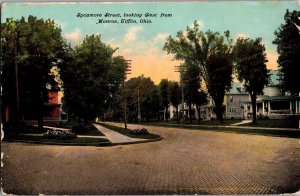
<point x="154" y="98"/>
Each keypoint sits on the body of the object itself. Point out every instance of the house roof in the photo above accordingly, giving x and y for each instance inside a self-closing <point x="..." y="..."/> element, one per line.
<point x="237" y="89"/>
<point x="277" y="98"/>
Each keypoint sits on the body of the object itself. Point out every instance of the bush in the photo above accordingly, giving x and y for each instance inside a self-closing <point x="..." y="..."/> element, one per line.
<point x="140" y="131"/>
<point x="79" y="128"/>
<point x="59" y="134"/>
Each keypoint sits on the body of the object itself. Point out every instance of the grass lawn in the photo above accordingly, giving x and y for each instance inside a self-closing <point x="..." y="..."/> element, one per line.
<point x="41" y="139"/>
<point x="87" y="130"/>
<point x="195" y="122"/>
<point x="277" y="123"/>
<point x="241" y="130"/>
<point x="128" y="133"/>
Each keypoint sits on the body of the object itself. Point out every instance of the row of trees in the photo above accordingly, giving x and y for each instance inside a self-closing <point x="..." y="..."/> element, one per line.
<point x="150" y="102"/>
<point x="212" y="55"/>
<point x="89" y="74"/>
<point x="92" y="77"/>
<point x="29" y="49"/>
<point x="217" y="59"/>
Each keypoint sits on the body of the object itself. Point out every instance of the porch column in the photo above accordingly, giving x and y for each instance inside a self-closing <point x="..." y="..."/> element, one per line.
<point x="263" y="108"/>
<point x="296" y="102"/>
<point x="291" y="107"/>
<point x="256" y="108"/>
<point x="269" y="107"/>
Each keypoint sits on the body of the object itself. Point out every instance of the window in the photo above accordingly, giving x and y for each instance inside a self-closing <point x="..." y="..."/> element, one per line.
<point x="231" y="98"/>
<point x="233" y="110"/>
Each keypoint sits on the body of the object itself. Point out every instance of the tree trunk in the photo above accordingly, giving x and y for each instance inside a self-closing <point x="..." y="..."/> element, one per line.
<point x="166" y="114"/>
<point x="177" y="117"/>
<point x="199" y="117"/>
<point x="219" y="113"/>
<point x="40" y="111"/>
<point x="190" y="108"/>
<point x="253" y="103"/>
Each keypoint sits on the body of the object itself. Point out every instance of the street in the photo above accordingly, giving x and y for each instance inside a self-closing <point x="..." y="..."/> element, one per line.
<point x="184" y="162"/>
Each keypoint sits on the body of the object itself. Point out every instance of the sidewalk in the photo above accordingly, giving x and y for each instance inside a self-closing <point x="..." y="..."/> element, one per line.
<point x="117" y="138"/>
<point x="241" y="123"/>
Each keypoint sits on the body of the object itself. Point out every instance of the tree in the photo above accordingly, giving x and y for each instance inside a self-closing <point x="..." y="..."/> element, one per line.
<point x="202" y="49"/>
<point x="175" y="96"/>
<point x="164" y="96"/>
<point x="29" y="50"/>
<point x="288" y="47"/>
<point x="148" y="94"/>
<point x="200" y="99"/>
<point x="91" y="77"/>
<point x="250" y="59"/>
<point x="192" y="85"/>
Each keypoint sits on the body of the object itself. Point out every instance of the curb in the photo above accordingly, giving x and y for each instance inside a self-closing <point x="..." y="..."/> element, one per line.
<point x="138" y="142"/>
<point x="104" y="144"/>
<point x="100" y="144"/>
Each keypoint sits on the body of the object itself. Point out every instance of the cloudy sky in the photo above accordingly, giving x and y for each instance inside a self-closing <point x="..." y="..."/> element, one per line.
<point x="143" y="42"/>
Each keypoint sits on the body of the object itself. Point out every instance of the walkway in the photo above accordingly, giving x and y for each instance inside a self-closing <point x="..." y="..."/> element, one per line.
<point x="117" y="138"/>
<point x="241" y="123"/>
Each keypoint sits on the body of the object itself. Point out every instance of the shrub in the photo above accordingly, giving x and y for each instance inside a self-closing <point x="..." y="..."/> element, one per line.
<point x="79" y="128"/>
<point x="140" y="131"/>
<point x="59" y="134"/>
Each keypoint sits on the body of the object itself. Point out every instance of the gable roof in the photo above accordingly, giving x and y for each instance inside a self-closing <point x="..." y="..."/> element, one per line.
<point x="237" y="88"/>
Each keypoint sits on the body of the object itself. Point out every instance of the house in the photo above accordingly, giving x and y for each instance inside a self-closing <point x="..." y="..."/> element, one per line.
<point x="274" y="103"/>
<point x="234" y="102"/>
<point x="52" y="107"/>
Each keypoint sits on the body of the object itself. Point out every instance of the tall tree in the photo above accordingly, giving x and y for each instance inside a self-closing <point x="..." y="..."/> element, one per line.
<point x="192" y="86"/>
<point x="250" y="60"/>
<point x="30" y="48"/>
<point x="202" y="48"/>
<point x="91" y="77"/>
<point x="288" y="46"/>
<point x="200" y="99"/>
<point x="143" y="91"/>
<point x="164" y="96"/>
<point x="175" y="96"/>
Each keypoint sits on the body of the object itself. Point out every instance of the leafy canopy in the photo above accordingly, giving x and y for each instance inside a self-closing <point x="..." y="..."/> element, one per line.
<point x="203" y="49"/>
<point x="288" y="47"/>
<point x="91" y="78"/>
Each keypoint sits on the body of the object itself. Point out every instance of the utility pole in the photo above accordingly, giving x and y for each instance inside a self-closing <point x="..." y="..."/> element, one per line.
<point x="139" y="107"/>
<point x="17" y="85"/>
<point x="180" y="69"/>
<point x="127" y="71"/>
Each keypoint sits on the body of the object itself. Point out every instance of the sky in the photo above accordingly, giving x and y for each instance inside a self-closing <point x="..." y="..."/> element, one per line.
<point x="142" y="43"/>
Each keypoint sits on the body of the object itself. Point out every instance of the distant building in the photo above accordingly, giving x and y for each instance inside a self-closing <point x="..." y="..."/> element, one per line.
<point x="274" y="103"/>
<point x="234" y="102"/>
<point x="52" y="107"/>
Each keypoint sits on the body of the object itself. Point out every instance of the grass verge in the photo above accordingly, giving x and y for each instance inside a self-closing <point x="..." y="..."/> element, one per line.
<point x="41" y="139"/>
<point x="240" y="130"/>
<point x="278" y="123"/>
<point x="204" y="122"/>
<point x="127" y="132"/>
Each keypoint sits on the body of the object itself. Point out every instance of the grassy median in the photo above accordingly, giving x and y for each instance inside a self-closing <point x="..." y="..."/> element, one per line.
<point x="128" y="132"/>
